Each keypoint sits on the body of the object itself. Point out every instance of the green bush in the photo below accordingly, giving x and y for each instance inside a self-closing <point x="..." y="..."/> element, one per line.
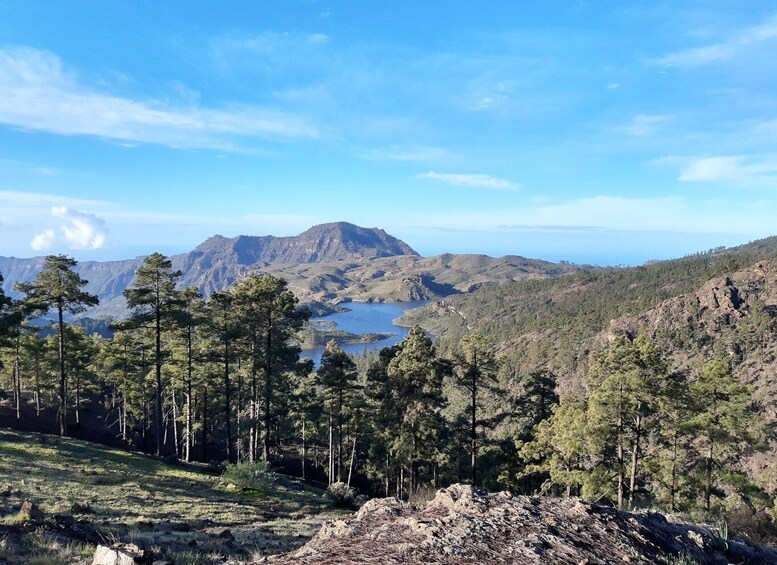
<point x="341" y="495"/>
<point x="248" y="476"/>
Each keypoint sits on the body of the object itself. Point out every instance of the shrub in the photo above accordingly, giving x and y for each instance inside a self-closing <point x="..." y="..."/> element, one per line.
<point x="249" y="476"/>
<point x="341" y="495"/>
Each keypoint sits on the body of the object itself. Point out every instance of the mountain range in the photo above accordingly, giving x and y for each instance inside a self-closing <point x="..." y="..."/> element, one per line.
<point x="328" y="262"/>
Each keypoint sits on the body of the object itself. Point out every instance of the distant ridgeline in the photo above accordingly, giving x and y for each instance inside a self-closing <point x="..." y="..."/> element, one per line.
<point x="326" y="263"/>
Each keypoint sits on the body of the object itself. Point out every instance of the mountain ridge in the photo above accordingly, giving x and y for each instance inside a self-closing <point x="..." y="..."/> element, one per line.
<point x="328" y="262"/>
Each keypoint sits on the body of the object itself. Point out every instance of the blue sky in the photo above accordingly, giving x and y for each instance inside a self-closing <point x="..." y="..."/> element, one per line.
<point x="602" y="132"/>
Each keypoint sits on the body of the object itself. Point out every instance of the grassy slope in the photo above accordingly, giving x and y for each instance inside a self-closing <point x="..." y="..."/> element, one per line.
<point x="135" y="498"/>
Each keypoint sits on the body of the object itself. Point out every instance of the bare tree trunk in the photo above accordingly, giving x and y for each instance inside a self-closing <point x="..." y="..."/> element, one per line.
<point x="158" y="374"/>
<point x="175" y="425"/>
<point x="635" y="461"/>
<point x="62" y="416"/>
<point x="267" y="392"/>
<point x="353" y="455"/>
<point x="17" y="378"/>
<point x="621" y="485"/>
<point x="304" y="449"/>
<point x="187" y="453"/>
<point x="189" y="418"/>
<point x="205" y="425"/>
<point x="78" y="397"/>
<point x="331" y="454"/>
<point x="474" y="431"/>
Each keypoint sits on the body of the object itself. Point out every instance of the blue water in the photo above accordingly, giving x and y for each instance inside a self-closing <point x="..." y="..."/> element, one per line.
<point x="365" y="318"/>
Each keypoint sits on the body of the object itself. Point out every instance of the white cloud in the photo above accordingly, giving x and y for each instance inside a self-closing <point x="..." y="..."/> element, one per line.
<point x="38" y="93"/>
<point x="724" y="50"/>
<point x="712" y="169"/>
<point x="81" y="229"/>
<point x="643" y="124"/>
<point x="43" y="241"/>
<point x="318" y="38"/>
<point x="9" y="198"/>
<point x="613" y="86"/>
<point x="738" y="170"/>
<point x="472" y="180"/>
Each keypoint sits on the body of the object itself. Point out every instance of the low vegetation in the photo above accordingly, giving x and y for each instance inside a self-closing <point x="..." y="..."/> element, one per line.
<point x="87" y="493"/>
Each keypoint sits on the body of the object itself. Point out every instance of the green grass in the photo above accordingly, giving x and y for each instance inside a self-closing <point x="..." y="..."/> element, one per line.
<point x="132" y="497"/>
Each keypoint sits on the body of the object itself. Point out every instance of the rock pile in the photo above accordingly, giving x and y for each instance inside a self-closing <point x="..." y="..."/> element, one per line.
<point x="462" y="525"/>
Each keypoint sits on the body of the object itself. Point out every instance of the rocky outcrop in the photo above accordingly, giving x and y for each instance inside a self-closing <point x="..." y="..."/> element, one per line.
<point x="462" y="525"/>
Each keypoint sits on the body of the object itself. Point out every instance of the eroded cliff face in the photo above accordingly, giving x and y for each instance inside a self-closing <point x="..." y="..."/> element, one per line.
<point x="462" y="525"/>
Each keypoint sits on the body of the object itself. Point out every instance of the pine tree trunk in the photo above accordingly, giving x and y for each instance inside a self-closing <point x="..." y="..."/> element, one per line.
<point x="205" y="458"/>
<point x="78" y="397"/>
<point x="62" y="416"/>
<point x="267" y="393"/>
<point x="189" y="418"/>
<point x="673" y="489"/>
<point x="175" y="425"/>
<point x="331" y="454"/>
<point x="304" y="449"/>
<point x="158" y="374"/>
<point x="635" y="454"/>
<point x="353" y="456"/>
<point x="474" y="433"/>
<point x="227" y="401"/>
<point x="708" y="473"/>
<point x="620" y="457"/>
<point x="17" y="386"/>
<point x="340" y="436"/>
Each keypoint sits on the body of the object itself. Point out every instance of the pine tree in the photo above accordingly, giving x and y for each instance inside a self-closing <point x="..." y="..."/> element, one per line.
<point x="337" y="378"/>
<point x="625" y="381"/>
<point x="7" y="313"/>
<point x="417" y="381"/>
<point x="268" y="312"/>
<point x="476" y="371"/>
<point x="154" y="302"/>
<point x="559" y="449"/>
<point x="224" y="329"/>
<point x="189" y="317"/>
<point x="58" y="287"/>
<point x="726" y="425"/>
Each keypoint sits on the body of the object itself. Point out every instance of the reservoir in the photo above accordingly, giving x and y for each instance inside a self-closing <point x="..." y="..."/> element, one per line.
<point x="364" y="317"/>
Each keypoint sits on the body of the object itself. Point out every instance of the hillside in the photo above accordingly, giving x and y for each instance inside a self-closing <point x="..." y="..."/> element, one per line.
<point x="84" y="494"/>
<point x="329" y="262"/>
<point x="556" y="321"/>
<point x="462" y="525"/>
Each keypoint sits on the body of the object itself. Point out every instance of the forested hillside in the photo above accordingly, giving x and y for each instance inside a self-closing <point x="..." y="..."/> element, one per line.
<point x="635" y="386"/>
<point x="557" y="319"/>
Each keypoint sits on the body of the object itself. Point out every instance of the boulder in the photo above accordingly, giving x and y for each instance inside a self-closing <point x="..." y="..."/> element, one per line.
<point x="124" y="554"/>
<point x="30" y="511"/>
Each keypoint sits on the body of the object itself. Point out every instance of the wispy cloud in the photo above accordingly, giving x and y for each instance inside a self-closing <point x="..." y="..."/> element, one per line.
<point x="643" y="124"/>
<point x="612" y="213"/>
<point x="472" y="180"/>
<point x="40" y="94"/>
<point x="414" y="153"/>
<point x="737" y="170"/>
<point x="724" y="50"/>
<point x="13" y="198"/>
